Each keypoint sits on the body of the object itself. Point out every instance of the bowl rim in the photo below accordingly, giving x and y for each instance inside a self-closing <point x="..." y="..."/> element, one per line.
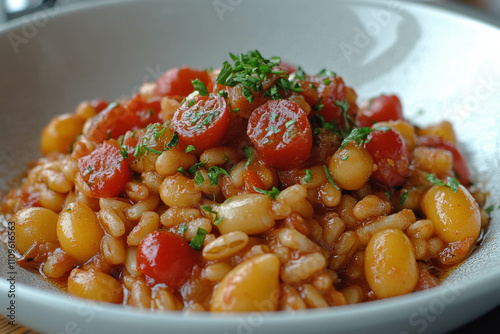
<point x="486" y="283"/>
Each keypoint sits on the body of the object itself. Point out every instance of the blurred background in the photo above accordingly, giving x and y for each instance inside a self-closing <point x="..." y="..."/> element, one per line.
<point x="484" y="9"/>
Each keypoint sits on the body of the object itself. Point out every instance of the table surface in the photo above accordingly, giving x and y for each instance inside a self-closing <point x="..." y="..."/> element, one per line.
<point x="487" y="324"/>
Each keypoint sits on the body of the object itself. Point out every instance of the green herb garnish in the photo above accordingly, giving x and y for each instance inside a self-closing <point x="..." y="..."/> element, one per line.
<point x="273" y="193"/>
<point x="200" y="87"/>
<point x="308" y="177"/>
<point x="330" y="178"/>
<point x="451" y="182"/>
<point x="197" y="241"/>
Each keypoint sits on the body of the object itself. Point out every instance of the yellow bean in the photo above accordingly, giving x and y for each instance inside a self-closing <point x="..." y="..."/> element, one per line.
<point x="390" y="265"/>
<point x="253" y="285"/>
<point x="60" y="133"/>
<point x="351" y="166"/>
<point x="79" y="231"/>
<point x="95" y="285"/>
<point x="35" y="225"/>
<point x="455" y="216"/>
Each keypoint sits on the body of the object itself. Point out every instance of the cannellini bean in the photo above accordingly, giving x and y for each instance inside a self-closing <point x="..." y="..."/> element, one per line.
<point x="400" y="220"/>
<point x="433" y="160"/>
<point x="253" y="285"/>
<point x="371" y="206"/>
<point x="95" y="285"/>
<point x="79" y="231"/>
<point x="165" y="300"/>
<point x="291" y="299"/>
<point x="296" y="197"/>
<point x="35" y="225"/>
<point x="113" y="249"/>
<point x="131" y="262"/>
<point x="313" y="297"/>
<point x="421" y="229"/>
<point x="149" y="222"/>
<point x="169" y="161"/>
<point x="390" y="265"/>
<point x="455" y="215"/>
<point x="249" y="213"/>
<point x="178" y="190"/>
<point x="220" y="155"/>
<point x="215" y="272"/>
<point x="302" y="268"/>
<point x="225" y="246"/>
<point x="295" y="240"/>
<point x="58" y="264"/>
<point x="351" y="166"/>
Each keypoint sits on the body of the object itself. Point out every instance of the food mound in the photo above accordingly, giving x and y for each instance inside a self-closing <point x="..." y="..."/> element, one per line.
<point x="252" y="187"/>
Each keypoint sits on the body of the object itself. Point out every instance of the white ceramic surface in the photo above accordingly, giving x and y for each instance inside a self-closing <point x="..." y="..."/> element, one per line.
<point x="443" y="66"/>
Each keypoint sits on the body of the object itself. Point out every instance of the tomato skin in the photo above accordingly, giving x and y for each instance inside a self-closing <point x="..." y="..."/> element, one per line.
<point x="380" y="109"/>
<point x="147" y="112"/>
<point x="166" y="257"/>
<point x="389" y="153"/>
<point x="112" y="122"/>
<point x="176" y="82"/>
<point x="460" y="165"/>
<point x="202" y="122"/>
<point x="326" y="90"/>
<point x="281" y="133"/>
<point x="105" y="171"/>
<point x="98" y="104"/>
<point x="251" y="180"/>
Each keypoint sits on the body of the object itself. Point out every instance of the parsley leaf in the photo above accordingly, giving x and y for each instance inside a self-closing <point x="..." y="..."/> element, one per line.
<point x="330" y="178"/>
<point x="198" y="178"/>
<point x="273" y="193"/>
<point x="403" y="197"/>
<point x="124" y="152"/>
<point x="174" y="141"/>
<point x="248" y="151"/>
<point x="190" y="148"/>
<point x="308" y="177"/>
<point x="192" y="170"/>
<point x="360" y="135"/>
<point x="217" y="219"/>
<point x="326" y="73"/>
<point x="200" y="87"/>
<point x="197" y="241"/>
<point x="223" y="93"/>
<point x="451" y="182"/>
<point x="182" y="228"/>
<point x="213" y="174"/>
<point x="299" y="74"/>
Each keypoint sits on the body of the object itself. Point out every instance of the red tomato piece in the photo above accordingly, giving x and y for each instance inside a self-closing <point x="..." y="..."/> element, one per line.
<point x="98" y="104"/>
<point x="112" y="122"/>
<point x="380" y="109"/>
<point x="148" y="112"/>
<point x="176" y="82"/>
<point x="389" y="153"/>
<point x="251" y="180"/>
<point x="105" y="171"/>
<point x="281" y="133"/>
<point x="166" y="257"/>
<point x="459" y="163"/>
<point x="202" y="121"/>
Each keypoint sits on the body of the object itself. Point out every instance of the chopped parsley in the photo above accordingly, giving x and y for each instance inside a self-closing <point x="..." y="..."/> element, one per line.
<point x="181" y="170"/>
<point x="198" y="178"/>
<point x="217" y="219"/>
<point x="223" y="93"/>
<point x="451" y="182"/>
<point x="182" y="228"/>
<point x="190" y="148"/>
<point x="299" y="74"/>
<point x="326" y="73"/>
<point x="360" y="135"/>
<point x="290" y="123"/>
<point x="214" y="173"/>
<point x="200" y="87"/>
<point x="191" y="103"/>
<point x="192" y="170"/>
<point x="345" y="158"/>
<point x="249" y="71"/>
<point x="248" y="151"/>
<point x="174" y="141"/>
<point x="489" y="210"/>
<point x="88" y="170"/>
<point x="124" y="152"/>
<point x="403" y="197"/>
<point x="273" y="193"/>
<point x="388" y="194"/>
<point x="197" y="241"/>
<point x="308" y="177"/>
<point x="330" y="178"/>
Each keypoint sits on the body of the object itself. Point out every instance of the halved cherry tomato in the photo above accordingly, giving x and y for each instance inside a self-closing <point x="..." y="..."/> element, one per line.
<point x="176" y="82"/>
<point x="98" y="104"/>
<point x="281" y="133"/>
<point x="380" y="109"/>
<point x="148" y="112"/>
<point x="112" y="122"/>
<point x="105" y="171"/>
<point x="202" y="121"/>
<point x="459" y="163"/>
<point x="389" y="153"/>
<point x="325" y="94"/>
<point x="166" y="257"/>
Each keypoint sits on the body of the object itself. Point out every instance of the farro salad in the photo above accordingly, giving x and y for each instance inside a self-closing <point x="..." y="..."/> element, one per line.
<point x="252" y="187"/>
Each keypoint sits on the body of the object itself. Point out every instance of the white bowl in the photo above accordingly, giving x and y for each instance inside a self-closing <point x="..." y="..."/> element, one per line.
<point x="442" y="63"/>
